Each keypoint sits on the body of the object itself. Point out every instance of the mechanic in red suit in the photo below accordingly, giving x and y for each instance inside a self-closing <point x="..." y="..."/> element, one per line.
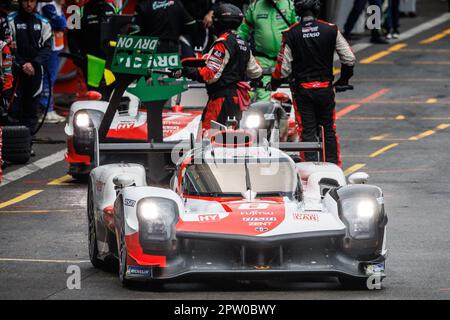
<point x="229" y="63"/>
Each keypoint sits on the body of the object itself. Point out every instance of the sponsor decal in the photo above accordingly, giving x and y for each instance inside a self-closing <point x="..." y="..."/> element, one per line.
<point x="162" y="4"/>
<point x="218" y="54"/>
<point x="37" y="27"/>
<point x="125" y="125"/>
<point x="311" y="35"/>
<point x="208" y="218"/>
<point x="375" y="268"/>
<point x="311" y="32"/>
<point x="214" y="59"/>
<point x="310" y="29"/>
<point x="313" y="217"/>
<point x="99" y="186"/>
<point x="130" y="203"/>
<point x="261" y="229"/>
<point x="283" y="11"/>
<point x="260" y="224"/>
<point x="253" y="205"/>
<point x="139" y="271"/>
<point x="262" y="16"/>
<point x="258" y="213"/>
<point x="254" y="219"/>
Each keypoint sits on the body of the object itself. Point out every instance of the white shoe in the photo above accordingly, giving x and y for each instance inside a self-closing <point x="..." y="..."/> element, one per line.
<point x="53" y="117"/>
<point x="396" y="35"/>
<point x="389" y="36"/>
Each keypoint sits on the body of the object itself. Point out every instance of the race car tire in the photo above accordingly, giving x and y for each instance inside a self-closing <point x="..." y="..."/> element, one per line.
<point x="123" y="254"/>
<point x="92" y="234"/>
<point x="16" y="144"/>
<point x="350" y="283"/>
<point x="15" y="132"/>
<point x="16" y="158"/>
<point x="18" y="141"/>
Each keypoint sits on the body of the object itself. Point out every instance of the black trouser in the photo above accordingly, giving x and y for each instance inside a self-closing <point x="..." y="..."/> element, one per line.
<point x="26" y="102"/>
<point x="355" y="13"/>
<point x="315" y="108"/>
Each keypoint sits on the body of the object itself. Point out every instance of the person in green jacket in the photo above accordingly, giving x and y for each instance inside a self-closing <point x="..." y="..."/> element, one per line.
<point x="265" y="21"/>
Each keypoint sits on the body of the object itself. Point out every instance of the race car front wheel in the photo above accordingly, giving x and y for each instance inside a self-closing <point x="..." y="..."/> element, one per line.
<point x="93" y="249"/>
<point x="123" y="254"/>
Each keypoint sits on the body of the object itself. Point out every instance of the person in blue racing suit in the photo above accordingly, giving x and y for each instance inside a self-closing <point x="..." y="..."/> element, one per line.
<point x="32" y="46"/>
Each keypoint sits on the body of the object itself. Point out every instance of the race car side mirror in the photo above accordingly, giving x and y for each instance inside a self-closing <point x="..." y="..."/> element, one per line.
<point x="359" y="178"/>
<point x="326" y="184"/>
<point x="123" y="181"/>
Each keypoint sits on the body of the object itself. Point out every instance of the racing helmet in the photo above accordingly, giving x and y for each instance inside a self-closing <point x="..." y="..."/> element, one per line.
<point x="227" y="17"/>
<point x="302" y="6"/>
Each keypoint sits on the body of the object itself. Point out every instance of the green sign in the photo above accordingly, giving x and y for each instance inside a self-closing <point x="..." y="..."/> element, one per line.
<point x="136" y="55"/>
<point x="157" y="89"/>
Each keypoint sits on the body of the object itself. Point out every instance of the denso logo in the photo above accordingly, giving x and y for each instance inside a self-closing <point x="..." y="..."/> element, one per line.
<point x="125" y="125"/>
<point x="314" y="217"/>
<point x="208" y="218"/>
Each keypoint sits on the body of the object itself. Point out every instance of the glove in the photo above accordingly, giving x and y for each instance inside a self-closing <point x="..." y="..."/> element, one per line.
<point x="255" y="83"/>
<point x="346" y="74"/>
<point x="190" y="73"/>
<point x="274" y="84"/>
<point x="176" y="73"/>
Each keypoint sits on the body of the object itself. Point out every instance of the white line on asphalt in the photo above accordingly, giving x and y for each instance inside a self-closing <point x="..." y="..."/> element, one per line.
<point x="32" y="167"/>
<point x="44" y="261"/>
<point x="407" y="34"/>
<point x="423" y="27"/>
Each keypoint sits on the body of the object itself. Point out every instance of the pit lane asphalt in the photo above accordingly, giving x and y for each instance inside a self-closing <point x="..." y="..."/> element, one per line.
<point x="400" y="137"/>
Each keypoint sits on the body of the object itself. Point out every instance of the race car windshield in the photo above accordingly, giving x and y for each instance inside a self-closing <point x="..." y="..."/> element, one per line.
<point x="269" y="179"/>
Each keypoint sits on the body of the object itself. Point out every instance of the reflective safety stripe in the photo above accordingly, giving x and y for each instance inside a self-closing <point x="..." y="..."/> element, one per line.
<point x="315" y="85"/>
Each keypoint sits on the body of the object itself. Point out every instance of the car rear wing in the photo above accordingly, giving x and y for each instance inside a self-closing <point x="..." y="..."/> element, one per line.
<point x="300" y="146"/>
<point x="318" y="147"/>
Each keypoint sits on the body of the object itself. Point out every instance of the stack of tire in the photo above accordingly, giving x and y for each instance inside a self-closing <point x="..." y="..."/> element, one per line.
<point x="16" y="146"/>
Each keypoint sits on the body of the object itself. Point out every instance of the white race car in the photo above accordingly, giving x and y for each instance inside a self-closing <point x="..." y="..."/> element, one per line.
<point x="236" y="208"/>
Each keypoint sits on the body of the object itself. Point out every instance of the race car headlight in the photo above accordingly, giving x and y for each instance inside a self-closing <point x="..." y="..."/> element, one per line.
<point x="82" y="120"/>
<point x="253" y="121"/>
<point x="361" y="216"/>
<point x="157" y="218"/>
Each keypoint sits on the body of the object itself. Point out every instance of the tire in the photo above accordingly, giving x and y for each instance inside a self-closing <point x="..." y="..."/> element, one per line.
<point x="92" y="235"/>
<point x="15" y="132"/>
<point x="18" y="158"/>
<point x="123" y="254"/>
<point x="16" y="144"/>
<point x="18" y="141"/>
<point x="17" y="149"/>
